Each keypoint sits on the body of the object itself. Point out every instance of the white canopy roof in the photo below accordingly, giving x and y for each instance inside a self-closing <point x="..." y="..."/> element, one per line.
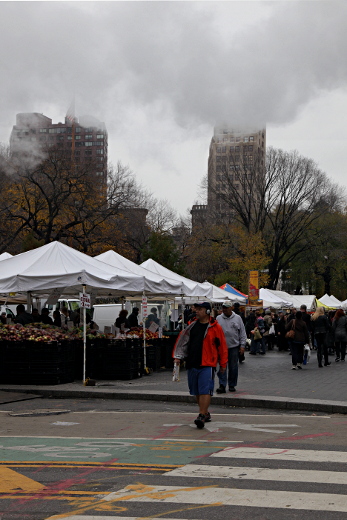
<point x="273" y="299"/>
<point x="202" y="290"/>
<point x="304" y="299"/>
<point x="167" y="285"/>
<point x="297" y="299"/>
<point x="57" y="266"/>
<point x="5" y="255"/>
<point x="330" y="301"/>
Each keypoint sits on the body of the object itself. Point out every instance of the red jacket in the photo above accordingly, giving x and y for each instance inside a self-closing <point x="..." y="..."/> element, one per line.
<point x="214" y="347"/>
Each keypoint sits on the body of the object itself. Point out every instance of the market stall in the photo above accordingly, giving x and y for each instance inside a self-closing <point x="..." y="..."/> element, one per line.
<point x="56" y="269"/>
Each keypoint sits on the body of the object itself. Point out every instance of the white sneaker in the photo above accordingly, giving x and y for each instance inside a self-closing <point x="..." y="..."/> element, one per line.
<point x="294" y="367"/>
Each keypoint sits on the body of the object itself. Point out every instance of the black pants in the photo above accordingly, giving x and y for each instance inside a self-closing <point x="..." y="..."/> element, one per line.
<point x="340" y="349"/>
<point x="297" y="349"/>
<point x="322" y="348"/>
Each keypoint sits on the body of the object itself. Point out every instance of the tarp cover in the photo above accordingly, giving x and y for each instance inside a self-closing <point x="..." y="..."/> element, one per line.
<point x="232" y="290"/>
<point x="166" y="284"/>
<point x="330" y="301"/>
<point x="272" y="299"/>
<point x="57" y="266"/>
<point x="200" y="290"/>
<point x="5" y="255"/>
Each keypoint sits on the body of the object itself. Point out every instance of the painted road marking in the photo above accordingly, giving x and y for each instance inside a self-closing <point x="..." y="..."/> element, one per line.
<point x="116" y="450"/>
<point x="278" y="454"/>
<point x="233" y="497"/>
<point x="249" y="473"/>
<point x="268" y="428"/>
<point x="11" y="481"/>
<point x="216" y="426"/>
<point x="93" y="517"/>
<point x="134" y="439"/>
<point x="61" y="423"/>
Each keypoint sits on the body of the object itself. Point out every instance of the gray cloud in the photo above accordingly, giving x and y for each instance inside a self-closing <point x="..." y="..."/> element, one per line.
<point x="144" y="52"/>
<point x="189" y="63"/>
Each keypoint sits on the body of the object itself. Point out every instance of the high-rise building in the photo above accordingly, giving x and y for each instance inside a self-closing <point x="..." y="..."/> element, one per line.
<point x="85" y="138"/>
<point x="234" y="153"/>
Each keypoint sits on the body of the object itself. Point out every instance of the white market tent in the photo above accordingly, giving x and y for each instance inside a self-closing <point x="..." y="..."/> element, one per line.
<point x="282" y="299"/>
<point x="344" y="305"/>
<point x="277" y="301"/>
<point x="5" y="255"/>
<point x="330" y="301"/>
<point x="192" y="289"/>
<point x="56" y="266"/>
<point x="206" y="289"/>
<point x="304" y="299"/>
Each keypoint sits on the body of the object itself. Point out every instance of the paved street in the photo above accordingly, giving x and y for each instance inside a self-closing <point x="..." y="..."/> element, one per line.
<point x="264" y="381"/>
<point x="107" y="459"/>
<point x="141" y="456"/>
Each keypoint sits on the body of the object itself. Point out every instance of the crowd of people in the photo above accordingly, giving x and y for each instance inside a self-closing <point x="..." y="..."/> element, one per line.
<point x="60" y="318"/>
<point x="325" y="332"/>
<point x="219" y="337"/>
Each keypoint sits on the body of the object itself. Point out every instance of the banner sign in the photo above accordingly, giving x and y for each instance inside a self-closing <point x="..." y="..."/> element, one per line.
<point x="253" y="290"/>
<point x="85" y="300"/>
<point x="144" y="307"/>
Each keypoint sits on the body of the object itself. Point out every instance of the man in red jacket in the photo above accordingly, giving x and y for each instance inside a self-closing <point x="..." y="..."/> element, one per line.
<point x="202" y="344"/>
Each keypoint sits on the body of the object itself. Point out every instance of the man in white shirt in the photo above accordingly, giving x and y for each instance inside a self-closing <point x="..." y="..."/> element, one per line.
<point x="235" y="335"/>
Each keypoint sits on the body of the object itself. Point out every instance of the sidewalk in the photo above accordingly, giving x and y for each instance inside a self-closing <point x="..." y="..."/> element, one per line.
<point x="264" y="382"/>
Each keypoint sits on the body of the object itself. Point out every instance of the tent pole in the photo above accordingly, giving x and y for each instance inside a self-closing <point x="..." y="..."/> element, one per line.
<point x="84" y="339"/>
<point x="183" y="309"/>
<point x="144" y="340"/>
<point x="29" y="301"/>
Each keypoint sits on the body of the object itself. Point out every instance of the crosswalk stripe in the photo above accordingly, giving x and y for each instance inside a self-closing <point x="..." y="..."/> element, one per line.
<point x="231" y="497"/>
<point x="249" y="473"/>
<point x="94" y="517"/>
<point x="280" y="454"/>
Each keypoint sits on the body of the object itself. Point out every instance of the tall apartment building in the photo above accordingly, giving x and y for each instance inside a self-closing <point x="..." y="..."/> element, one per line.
<point x="33" y="132"/>
<point x="233" y="154"/>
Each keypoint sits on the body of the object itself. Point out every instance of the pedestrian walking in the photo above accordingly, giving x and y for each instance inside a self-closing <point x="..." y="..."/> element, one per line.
<point x="235" y="336"/>
<point x="258" y="342"/>
<point x="320" y="327"/>
<point x="301" y="336"/>
<point x="340" y="334"/>
<point x="202" y="344"/>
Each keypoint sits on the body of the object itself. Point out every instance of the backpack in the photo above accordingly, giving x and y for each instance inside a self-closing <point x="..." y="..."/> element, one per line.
<point x="261" y="325"/>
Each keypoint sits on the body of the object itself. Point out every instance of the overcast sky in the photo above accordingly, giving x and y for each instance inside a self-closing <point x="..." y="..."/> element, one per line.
<point x="162" y="74"/>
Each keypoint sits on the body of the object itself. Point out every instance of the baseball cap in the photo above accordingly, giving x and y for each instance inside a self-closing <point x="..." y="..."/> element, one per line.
<point x="206" y="305"/>
<point x="227" y="304"/>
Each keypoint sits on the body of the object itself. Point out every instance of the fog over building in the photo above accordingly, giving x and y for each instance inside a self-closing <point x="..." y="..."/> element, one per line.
<point x="234" y="153"/>
<point x="85" y="138"/>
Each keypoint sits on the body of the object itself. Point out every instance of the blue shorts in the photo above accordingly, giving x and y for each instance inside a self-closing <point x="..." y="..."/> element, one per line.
<point x="201" y="380"/>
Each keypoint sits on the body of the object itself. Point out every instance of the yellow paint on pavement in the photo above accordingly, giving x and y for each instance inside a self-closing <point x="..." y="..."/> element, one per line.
<point x="11" y="481"/>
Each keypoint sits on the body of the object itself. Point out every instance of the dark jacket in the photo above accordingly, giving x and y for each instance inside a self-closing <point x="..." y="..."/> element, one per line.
<point x="321" y="325"/>
<point x="307" y="319"/>
<point x="301" y="330"/>
<point x="214" y="347"/>
<point x="24" y="318"/>
<point x="340" y="329"/>
<point x="120" y="321"/>
<point x="133" y="320"/>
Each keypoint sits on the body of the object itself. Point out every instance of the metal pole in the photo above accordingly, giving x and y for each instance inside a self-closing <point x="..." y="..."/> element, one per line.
<point x="144" y="339"/>
<point x="84" y="339"/>
<point x="183" y="309"/>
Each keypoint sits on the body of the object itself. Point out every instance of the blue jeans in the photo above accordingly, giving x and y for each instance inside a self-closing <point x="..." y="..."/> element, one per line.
<point x="233" y="368"/>
<point x="257" y="345"/>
